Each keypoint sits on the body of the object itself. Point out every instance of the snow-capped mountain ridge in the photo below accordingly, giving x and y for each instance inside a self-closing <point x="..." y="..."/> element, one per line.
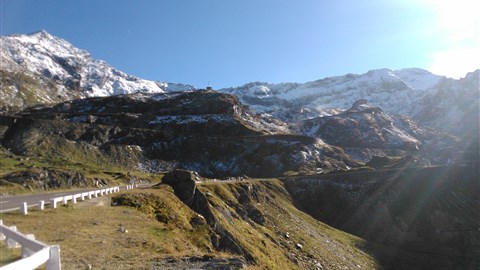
<point x="67" y="68"/>
<point x="40" y="68"/>
<point x="43" y="54"/>
<point x="340" y="92"/>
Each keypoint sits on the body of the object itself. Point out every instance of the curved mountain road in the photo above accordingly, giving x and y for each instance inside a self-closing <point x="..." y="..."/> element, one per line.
<point x="12" y="203"/>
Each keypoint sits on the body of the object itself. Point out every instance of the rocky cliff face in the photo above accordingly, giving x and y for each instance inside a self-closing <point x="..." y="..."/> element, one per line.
<point x="366" y="131"/>
<point x="364" y="126"/>
<point x="427" y="216"/>
<point x="179" y="113"/>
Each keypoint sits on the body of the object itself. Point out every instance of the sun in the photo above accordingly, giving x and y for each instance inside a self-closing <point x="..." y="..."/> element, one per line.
<point x="459" y="26"/>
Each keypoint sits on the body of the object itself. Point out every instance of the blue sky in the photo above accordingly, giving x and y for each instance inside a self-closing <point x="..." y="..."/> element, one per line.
<point x="229" y="43"/>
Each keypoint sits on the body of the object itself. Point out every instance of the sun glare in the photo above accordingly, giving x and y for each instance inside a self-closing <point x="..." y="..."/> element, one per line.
<point x="459" y="24"/>
<point x="455" y="63"/>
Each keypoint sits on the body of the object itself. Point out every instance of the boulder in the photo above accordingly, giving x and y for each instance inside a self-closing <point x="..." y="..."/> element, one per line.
<point x="183" y="184"/>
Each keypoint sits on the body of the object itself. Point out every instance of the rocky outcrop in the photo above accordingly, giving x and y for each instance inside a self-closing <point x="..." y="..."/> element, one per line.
<point x="365" y="131"/>
<point x="362" y="126"/>
<point x="179" y="113"/>
<point x="183" y="184"/>
<point x="184" y="187"/>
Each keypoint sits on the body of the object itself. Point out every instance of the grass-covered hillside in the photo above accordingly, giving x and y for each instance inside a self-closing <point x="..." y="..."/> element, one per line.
<point x="253" y="224"/>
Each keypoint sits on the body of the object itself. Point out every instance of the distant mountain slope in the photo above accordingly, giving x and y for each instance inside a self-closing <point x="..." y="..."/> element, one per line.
<point x="364" y="126"/>
<point x="384" y="88"/>
<point x="454" y="107"/>
<point x="365" y="131"/>
<point x="41" y="68"/>
<point x="445" y="104"/>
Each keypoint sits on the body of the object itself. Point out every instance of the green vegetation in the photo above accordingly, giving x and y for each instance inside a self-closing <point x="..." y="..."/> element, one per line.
<point x="147" y="226"/>
<point x="8" y="255"/>
<point x="261" y="216"/>
<point x="19" y="169"/>
<point x="99" y="234"/>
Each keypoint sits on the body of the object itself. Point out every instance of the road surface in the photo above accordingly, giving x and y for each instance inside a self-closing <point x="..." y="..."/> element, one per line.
<point x="12" y="203"/>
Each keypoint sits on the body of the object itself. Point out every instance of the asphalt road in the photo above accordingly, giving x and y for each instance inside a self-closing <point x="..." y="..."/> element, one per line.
<point x="12" y="203"/>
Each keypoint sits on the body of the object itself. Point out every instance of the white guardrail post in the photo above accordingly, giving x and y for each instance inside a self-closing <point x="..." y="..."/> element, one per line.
<point x="41" y="205"/>
<point x="2" y="236"/>
<point x="34" y="253"/>
<point x="24" y="208"/>
<point x="75" y="197"/>
<point x="54" y="261"/>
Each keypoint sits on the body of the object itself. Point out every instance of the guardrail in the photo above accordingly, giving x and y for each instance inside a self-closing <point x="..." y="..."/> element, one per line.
<point x="82" y="196"/>
<point x="34" y="253"/>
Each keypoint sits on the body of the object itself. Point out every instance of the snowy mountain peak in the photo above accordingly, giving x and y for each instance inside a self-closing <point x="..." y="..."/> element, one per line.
<point x="69" y="71"/>
<point x="42" y="34"/>
<point x="379" y="72"/>
<point x="43" y="43"/>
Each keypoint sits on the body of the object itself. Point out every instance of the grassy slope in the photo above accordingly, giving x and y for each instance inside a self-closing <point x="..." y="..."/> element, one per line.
<point x="268" y="243"/>
<point x="90" y="234"/>
<point x="90" y="168"/>
<point x="158" y="225"/>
